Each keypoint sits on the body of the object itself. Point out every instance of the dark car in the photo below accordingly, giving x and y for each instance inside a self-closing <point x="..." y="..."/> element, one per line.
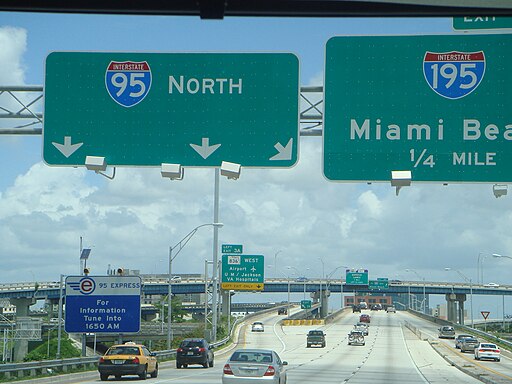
<point x="469" y="344"/>
<point x="364" y="318"/>
<point x="128" y="359"/>
<point x="315" y="337"/>
<point x="194" y="351"/>
<point x="282" y="311"/>
<point x="459" y="339"/>
<point x="356" y="308"/>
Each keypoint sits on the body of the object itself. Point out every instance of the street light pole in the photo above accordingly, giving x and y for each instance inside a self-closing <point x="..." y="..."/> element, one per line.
<point x="423" y="302"/>
<point x="479" y="268"/>
<point x="299" y="274"/>
<point x="503" y="296"/>
<point x="180" y="245"/>
<point x="275" y="261"/>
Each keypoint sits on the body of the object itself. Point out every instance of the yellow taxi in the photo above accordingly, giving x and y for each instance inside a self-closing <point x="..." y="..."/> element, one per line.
<point x="128" y="359"/>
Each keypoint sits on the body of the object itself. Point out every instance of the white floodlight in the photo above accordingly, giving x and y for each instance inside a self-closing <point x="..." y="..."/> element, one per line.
<point x="400" y="179"/>
<point x="230" y="170"/>
<point x="96" y="163"/>
<point x="172" y="171"/>
<point x="499" y="190"/>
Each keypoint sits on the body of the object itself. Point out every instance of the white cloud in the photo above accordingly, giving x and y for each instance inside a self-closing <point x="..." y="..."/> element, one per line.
<point x="14" y="44"/>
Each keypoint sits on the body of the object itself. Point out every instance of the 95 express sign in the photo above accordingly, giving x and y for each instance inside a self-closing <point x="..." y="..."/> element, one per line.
<point x="193" y="109"/>
<point x="439" y="106"/>
<point x="108" y="304"/>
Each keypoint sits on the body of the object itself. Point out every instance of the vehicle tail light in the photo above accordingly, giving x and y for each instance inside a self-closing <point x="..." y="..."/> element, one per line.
<point x="102" y="360"/>
<point x="179" y="350"/>
<point x="227" y="370"/>
<point x="136" y="360"/>
<point x="271" y="371"/>
<point x="481" y="350"/>
<point x="202" y="349"/>
<point x="496" y="350"/>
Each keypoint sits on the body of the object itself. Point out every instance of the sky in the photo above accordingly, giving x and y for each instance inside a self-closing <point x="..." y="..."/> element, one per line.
<point x="302" y="223"/>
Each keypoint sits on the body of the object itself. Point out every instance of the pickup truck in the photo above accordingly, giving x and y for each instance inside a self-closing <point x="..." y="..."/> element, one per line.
<point x="315" y="337"/>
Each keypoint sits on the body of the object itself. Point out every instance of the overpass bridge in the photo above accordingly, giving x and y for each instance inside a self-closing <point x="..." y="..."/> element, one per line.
<point x="25" y="294"/>
<point x="159" y="286"/>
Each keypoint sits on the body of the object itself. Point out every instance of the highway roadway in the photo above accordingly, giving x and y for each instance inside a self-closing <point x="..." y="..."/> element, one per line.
<point x="392" y="354"/>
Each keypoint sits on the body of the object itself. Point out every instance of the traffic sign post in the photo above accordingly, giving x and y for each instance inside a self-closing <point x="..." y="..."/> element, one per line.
<point x="243" y="272"/>
<point x="438" y="106"/>
<point x="193" y="109"/>
<point x="356" y="277"/>
<point x="103" y="304"/>
<point x="470" y="23"/>
<point x="485" y="315"/>
<point x="232" y="248"/>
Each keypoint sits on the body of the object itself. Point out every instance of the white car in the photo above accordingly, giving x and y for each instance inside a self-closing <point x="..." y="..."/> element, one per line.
<point x="491" y="285"/>
<point x="487" y="351"/>
<point x="251" y="366"/>
<point x="257" y="326"/>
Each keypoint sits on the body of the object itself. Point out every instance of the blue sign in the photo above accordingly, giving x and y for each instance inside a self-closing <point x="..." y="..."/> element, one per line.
<point x="103" y="304"/>
<point x="128" y="82"/>
<point x="454" y="75"/>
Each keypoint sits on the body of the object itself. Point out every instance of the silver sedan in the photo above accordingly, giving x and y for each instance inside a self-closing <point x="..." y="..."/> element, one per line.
<point x="254" y="366"/>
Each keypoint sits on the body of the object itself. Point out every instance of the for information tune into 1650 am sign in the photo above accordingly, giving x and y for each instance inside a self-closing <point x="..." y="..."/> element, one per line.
<point x="438" y="106"/>
<point x="193" y="109"/>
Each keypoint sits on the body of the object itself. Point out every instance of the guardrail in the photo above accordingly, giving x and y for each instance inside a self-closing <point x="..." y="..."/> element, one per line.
<point x="487" y="336"/>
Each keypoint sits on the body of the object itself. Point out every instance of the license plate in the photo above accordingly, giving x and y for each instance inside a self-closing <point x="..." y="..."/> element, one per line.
<point x="190" y="353"/>
<point x="117" y="362"/>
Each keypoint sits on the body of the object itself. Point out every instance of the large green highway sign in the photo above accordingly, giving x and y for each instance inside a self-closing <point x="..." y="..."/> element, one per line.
<point x="482" y="22"/>
<point x="193" y="109"/>
<point x="381" y="283"/>
<point x="243" y="272"/>
<point x="438" y="106"/>
<point x="356" y="277"/>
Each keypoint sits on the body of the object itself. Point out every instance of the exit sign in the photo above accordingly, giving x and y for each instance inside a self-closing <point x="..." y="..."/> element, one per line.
<point x="481" y="22"/>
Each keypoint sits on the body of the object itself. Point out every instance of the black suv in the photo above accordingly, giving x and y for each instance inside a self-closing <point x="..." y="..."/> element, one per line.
<point x="194" y="351"/>
<point x="356" y="308"/>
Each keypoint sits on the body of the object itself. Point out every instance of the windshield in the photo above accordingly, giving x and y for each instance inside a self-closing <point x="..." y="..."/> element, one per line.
<point x="123" y="351"/>
<point x="317" y="162"/>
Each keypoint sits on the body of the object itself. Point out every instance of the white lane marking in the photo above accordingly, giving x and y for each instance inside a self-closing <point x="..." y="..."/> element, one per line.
<point x="280" y="339"/>
<point x="410" y="357"/>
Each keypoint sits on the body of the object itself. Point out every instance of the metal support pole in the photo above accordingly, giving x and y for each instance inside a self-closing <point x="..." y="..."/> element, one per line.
<point x="503" y="302"/>
<point x="424" y="298"/>
<point x="59" y="329"/>
<point x="471" y="297"/>
<point x="169" y="302"/>
<point x="288" y="295"/>
<point x="215" y="255"/>
<point x="205" y="296"/>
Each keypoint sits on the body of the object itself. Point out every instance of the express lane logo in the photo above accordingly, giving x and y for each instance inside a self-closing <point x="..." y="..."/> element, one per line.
<point x="85" y="286"/>
<point x="128" y="82"/>
<point x="454" y="75"/>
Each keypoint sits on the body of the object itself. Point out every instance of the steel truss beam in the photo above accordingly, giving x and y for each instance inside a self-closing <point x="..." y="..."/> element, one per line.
<point x="20" y="110"/>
